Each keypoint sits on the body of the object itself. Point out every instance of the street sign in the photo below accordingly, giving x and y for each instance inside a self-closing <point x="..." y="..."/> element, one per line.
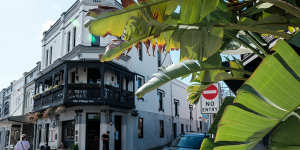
<point x="210" y="93"/>
<point x="210" y="101"/>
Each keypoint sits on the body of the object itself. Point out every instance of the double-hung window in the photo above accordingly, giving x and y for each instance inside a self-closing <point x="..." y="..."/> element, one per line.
<point x="160" y="96"/>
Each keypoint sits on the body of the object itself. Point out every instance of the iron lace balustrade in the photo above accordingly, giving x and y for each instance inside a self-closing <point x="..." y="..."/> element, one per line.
<point x="84" y="94"/>
<point x="53" y="97"/>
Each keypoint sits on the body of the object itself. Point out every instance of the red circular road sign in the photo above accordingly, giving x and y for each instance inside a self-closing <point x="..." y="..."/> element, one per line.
<point x="210" y="93"/>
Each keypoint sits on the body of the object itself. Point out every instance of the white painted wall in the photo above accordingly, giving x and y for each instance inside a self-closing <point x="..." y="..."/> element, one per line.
<point x="28" y="99"/>
<point x="17" y="97"/>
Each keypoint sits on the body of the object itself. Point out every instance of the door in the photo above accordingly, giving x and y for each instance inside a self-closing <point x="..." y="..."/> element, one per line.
<point x="68" y="132"/>
<point x="15" y="134"/>
<point x="118" y="132"/>
<point x="93" y="132"/>
<point x="47" y="134"/>
<point x="175" y="130"/>
<point x="28" y="129"/>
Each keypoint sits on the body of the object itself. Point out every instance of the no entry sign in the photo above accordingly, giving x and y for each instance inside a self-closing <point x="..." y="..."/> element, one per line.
<point x="210" y="102"/>
<point x="210" y="93"/>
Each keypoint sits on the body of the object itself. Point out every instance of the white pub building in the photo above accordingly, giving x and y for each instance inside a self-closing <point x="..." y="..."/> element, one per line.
<point x="77" y="99"/>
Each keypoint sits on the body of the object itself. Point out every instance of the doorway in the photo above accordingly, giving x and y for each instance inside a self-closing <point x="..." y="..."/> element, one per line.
<point x="93" y="132"/>
<point x="118" y="132"/>
<point x="175" y="130"/>
<point x="68" y="132"/>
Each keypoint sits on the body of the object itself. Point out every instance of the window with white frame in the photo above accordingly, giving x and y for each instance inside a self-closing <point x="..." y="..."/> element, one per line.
<point x="160" y="97"/>
<point x="176" y="103"/>
<point x="68" y="41"/>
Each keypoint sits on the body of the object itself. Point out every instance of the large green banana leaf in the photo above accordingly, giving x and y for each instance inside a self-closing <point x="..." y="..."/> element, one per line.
<point x="227" y="101"/>
<point x="267" y="99"/>
<point x="211" y="71"/>
<point x="286" y="135"/>
<point x="290" y="8"/>
<point x="207" y="144"/>
<point x="197" y="30"/>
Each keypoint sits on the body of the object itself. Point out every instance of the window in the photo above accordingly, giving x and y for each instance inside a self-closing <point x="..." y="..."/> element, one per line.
<point x="73" y="76"/>
<point x="47" y="133"/>
<point x="182" y="128"/>
<point x="191" y="112"/>
<point x="176" y="103"/>
<point x="47" y="56"/>
<point x="141" y="128"/>
<point x="7" y="134"/>
<point x="162" y="129"/>
<point x="74" y="36"/>
<point x="68" y="41"/>
<point x="160" y="95"/>
<point x="158" y="59"/>
<point x="141" y="52"/>
<point x="201" y="126"/>
<point x="139" y="82"/>
<point x="50" y="56"/>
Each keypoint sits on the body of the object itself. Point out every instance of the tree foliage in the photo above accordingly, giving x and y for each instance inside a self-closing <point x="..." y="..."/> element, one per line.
<point x="204" y="29"/>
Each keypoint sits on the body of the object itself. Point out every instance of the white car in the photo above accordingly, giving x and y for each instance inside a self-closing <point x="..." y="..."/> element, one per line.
<point x="189" y="141"/>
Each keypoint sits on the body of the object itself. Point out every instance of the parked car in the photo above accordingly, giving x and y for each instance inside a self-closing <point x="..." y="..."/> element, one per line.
<point x="189" y="141"/>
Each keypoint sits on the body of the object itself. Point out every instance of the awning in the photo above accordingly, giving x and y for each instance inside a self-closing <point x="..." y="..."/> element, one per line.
<point x="16" y="120"/>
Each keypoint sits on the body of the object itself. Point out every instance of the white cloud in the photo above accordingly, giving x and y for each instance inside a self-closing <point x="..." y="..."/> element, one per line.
<point x="46" y="26"/>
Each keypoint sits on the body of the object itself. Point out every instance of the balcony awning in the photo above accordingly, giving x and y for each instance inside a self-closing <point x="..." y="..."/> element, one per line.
<point x="15" y="120"/>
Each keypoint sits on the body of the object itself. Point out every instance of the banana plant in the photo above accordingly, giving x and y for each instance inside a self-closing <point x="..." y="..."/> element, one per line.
<point x="268" y="102"/>
<point x="197" y="27"/>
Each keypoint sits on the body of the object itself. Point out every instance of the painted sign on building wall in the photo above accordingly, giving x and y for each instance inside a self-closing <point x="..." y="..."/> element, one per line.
<point x="210" y="100"/>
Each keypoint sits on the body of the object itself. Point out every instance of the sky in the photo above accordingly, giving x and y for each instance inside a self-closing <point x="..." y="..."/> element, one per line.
<point x="21" y="28"/>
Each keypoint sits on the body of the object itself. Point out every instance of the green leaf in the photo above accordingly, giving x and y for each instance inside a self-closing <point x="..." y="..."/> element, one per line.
<point x="286" y="135"/>
<point x="288" y="53"/>
<point x="290" y="8"/>
<point x="295" y="40"/>
<point x="114" y="22"/>
<point x="178" y="70"/>
<point x="172" y="72"/>
<point x="207" y="144"/>
<point x="200" y="44"/>
<point x="194" y="91"/>
<point x="227" y="101"/>
<point x="110" y="54"/>
<point x="269" y="97"/>
<point x="105" y="25"/>
<point x="193" y="11"/>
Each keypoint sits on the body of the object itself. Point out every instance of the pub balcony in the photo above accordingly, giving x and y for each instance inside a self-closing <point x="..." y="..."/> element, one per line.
<point x="74" y="83"/>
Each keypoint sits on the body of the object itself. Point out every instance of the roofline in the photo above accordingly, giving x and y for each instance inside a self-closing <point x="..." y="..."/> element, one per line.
<point x="60" y="18"/>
